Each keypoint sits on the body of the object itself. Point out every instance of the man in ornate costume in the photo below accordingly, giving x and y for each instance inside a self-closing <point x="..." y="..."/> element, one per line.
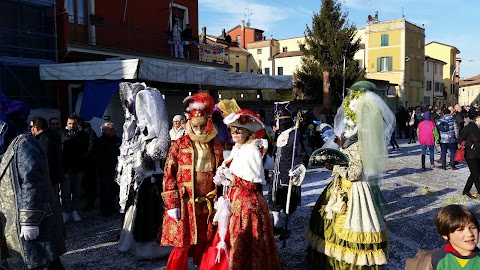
<point x="144" y="144"/>
<point x="188" y="188"/>
<point x="31" y="220"/>
<point x="347" y="227"/>
<point x="289" y="157"/>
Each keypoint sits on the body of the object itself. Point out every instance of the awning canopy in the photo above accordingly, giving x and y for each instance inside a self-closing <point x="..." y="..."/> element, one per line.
<point x="160" y="71"/>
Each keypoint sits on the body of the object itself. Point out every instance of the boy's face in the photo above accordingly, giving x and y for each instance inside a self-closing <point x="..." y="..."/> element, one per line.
<point x="464" y="240"/>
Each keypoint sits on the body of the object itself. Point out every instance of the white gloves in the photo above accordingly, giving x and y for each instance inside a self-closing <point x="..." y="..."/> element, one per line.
<point x="29" y="232"/>
<point x="296" y="172"/>
<point x="174" y="213"/>
<point x="227" y="173"/>
<point x="222" y="176"/>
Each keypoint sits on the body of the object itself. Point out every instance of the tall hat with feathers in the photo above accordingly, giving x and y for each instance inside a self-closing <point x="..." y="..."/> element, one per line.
<point x="200" y="105"/>
<point x="246" y="119"/>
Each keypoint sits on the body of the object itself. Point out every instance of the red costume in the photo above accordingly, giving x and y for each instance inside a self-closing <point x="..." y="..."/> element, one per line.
<point x="188" y="186"/>
<point x="250" y="243"/>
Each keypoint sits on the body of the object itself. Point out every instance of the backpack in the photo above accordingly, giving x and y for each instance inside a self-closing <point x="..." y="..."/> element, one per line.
<point x="443" y="126"/>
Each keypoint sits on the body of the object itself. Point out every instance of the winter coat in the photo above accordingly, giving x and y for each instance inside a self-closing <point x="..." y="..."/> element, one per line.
<point x="51" y="143"/>
<point x="107" y="152"/>
<point x="27" y="198"/>
<point x="427" y="133"/>
<point x="421" y="261"/>
<point x="74" y="149"/>
<point x="471" y="134"/>
<point x="450" y="136"/>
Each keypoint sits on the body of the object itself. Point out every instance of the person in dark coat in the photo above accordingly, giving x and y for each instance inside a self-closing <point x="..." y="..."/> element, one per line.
<point x="284" y="152"/>
<point x="402" y="118"/>
<point x="89" y="183"/>
<point x="471" y="134"/>
<point x="108" y="150"/>
<point x="187" y="36"/>
<point x="31" y="218"/>
<point x="74" y="153"/>
<point x="51" y="143"/>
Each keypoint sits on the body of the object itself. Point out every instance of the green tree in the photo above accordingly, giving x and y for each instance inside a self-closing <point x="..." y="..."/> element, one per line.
<point x="330" y="38"/>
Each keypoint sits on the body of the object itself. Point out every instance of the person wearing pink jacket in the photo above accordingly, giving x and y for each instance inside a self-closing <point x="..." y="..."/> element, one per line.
<point x="427" y="134"/>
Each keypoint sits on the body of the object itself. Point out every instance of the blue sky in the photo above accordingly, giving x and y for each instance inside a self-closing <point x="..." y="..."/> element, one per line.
<point x="450" y="22"/>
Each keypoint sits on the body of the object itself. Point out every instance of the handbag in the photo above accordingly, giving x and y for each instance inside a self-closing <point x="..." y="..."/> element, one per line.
<point x="460" y="154"/>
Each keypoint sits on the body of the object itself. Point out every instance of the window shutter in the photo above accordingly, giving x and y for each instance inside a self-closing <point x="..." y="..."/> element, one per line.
<point x="389" y="63"/>
<point x="379" y="63"/>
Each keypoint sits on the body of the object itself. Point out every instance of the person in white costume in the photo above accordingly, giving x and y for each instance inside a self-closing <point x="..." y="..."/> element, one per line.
<point x="139" y="173"/>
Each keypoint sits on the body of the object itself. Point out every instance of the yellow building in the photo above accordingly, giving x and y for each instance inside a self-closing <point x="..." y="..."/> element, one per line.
<point x="223" y="51"/>
<point x="448" y="54"/>
<point x="394" y="51"/>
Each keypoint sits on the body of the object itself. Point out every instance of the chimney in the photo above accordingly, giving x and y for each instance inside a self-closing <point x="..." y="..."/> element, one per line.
<point x="376" y="16"/>
<point x="204" y="34"/>
<point x="242" y="25"/>
<point x="223" y="33"/>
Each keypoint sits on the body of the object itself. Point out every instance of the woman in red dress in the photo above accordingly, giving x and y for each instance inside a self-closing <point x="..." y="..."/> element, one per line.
<point x="244" y="238"/>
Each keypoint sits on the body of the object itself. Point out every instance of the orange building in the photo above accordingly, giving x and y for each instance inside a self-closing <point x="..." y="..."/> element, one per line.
<point x="244" y="35"/>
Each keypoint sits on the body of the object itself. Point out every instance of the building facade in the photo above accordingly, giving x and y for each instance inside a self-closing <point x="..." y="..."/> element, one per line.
<point x="434" y="85"/>
<point x="448" y="54"/>
<point x="28" y="40"/>
<point x="395" y="51"/>
<point x="469" y="92"/>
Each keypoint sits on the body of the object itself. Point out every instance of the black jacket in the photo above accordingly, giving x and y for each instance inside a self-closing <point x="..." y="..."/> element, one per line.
<point x="471" y="134"/>
<point x="75" y="147"/>
<point x="107" y="152"/>
<point x="51" y="143"/>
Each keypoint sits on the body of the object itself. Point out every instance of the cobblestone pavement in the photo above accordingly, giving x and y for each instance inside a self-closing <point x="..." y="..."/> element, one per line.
<point x="92" y="242"/>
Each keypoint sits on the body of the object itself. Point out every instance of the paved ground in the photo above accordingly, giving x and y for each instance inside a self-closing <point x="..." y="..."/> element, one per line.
<point x="92" y="241"/>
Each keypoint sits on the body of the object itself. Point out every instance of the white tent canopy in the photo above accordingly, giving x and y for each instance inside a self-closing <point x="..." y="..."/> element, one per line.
<point x="151" y="70"/>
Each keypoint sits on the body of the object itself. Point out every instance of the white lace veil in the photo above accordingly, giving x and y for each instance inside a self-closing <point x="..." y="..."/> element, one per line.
<point x="375" y="122"/>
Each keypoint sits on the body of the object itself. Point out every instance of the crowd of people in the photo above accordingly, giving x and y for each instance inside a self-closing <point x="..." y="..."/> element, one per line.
<point x="449" y="129"/>
<point x="196" y="190"/>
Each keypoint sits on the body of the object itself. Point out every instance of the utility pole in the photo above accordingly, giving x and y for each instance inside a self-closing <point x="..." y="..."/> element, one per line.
<point x="344" y="66"/>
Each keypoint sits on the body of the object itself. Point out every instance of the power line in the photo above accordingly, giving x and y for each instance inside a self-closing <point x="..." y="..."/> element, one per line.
<point x="293" y="8"/>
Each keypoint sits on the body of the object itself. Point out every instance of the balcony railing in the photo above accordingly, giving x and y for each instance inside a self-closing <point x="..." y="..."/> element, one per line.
<point x="108" y="35"/>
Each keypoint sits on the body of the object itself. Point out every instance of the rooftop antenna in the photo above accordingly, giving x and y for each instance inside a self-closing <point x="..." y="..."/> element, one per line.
<point x="247" y="15"/>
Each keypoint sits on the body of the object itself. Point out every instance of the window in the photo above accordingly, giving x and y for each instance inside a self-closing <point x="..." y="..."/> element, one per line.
<point x="359" y="63"/>
<point x="237" y="67"/>
<point x="384" y="63"/>
<point x="76" y="10"/>
<point x="267" y="71"/>
<point x="284" y="49"/>
<point x="239" y="39"/>
<point x="428" y="86"/>
<point x="280" y="71"/>
<point x="384" y="40"/>
<point x="179" y="15"/>
<point x="259" y="51"/>
<point x="437" y="86"/>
